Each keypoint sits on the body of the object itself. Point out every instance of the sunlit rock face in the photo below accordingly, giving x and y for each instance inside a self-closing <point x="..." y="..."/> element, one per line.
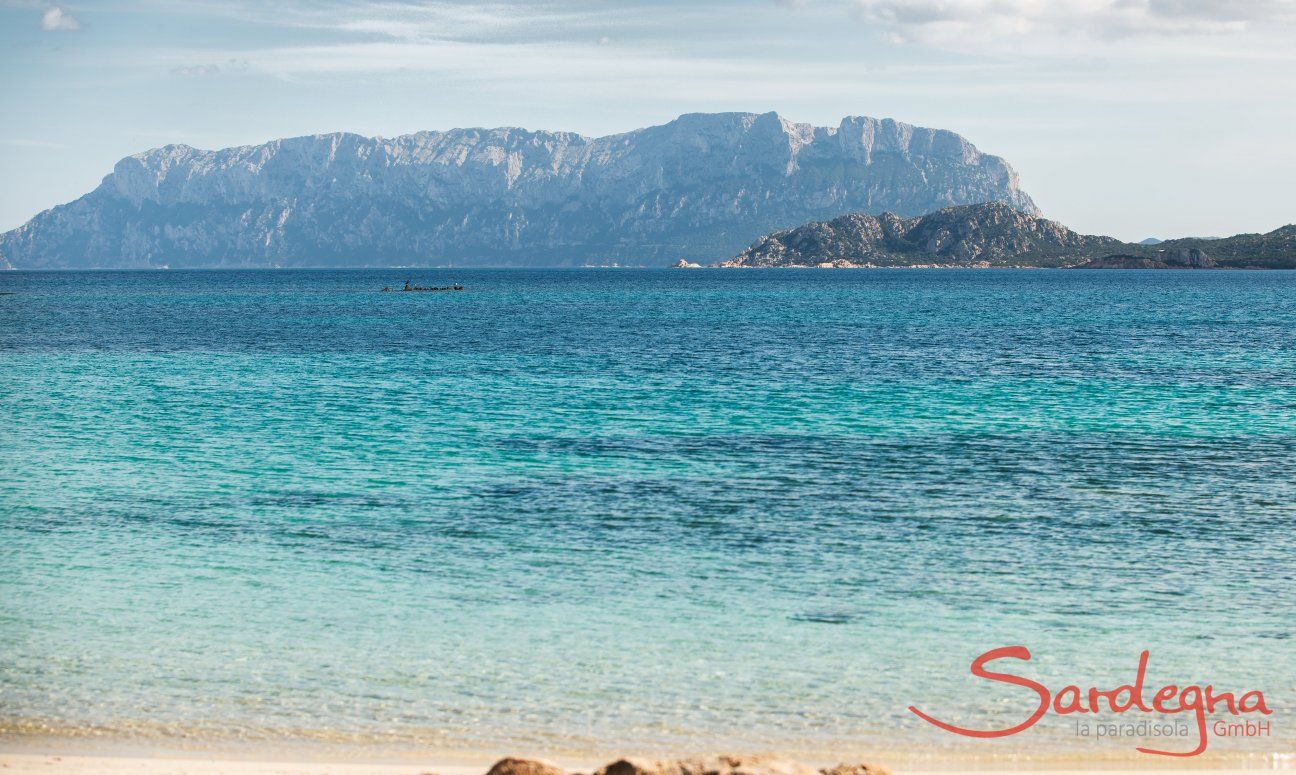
<point x="701" y="187"/>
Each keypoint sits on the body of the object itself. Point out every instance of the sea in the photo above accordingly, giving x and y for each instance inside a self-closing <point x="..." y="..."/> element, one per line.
<point x="578" y="512"/>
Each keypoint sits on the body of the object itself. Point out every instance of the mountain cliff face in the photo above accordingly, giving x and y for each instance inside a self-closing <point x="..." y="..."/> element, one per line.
<point x="990" y="234"/>
<point x="700" y="187"/>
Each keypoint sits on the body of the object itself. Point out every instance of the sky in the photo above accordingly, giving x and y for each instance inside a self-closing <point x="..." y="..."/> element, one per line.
<point x="1131" y="118"/>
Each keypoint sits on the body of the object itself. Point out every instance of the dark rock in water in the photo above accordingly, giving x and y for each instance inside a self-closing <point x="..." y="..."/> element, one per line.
<point x="823" y="617"/>
<point x="514" y="766"/>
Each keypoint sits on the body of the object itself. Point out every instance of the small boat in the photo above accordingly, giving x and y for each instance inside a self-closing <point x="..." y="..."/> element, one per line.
<point x="410" y="287"/>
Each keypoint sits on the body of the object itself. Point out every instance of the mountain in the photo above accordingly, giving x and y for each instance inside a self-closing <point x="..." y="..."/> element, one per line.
<point x="698" y="187"/>
<point x="994" y="234"/>
<point x="989" y="234"/>
<point x="1150" y="241"/>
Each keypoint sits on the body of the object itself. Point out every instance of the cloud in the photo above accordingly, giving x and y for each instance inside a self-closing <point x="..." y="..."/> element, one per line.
<point x="232" y="65"/>
<point x="19" y="142"/>
<point x="55" y="19"/>
<point x="588" y="69"/>
<point x="553" y="48"/>
<point x="945" y="22"/>
<point x="437" y="20"/>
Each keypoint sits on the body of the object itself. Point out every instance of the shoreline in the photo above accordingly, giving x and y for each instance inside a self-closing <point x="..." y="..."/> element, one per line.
<point x="24" y="754"/>
<point x="170" y="763"/>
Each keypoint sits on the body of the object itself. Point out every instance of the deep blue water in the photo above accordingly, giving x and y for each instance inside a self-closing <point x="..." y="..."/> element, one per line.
<point x="636" y="510"/>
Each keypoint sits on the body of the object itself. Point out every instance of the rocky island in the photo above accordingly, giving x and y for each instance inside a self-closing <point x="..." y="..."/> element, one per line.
<point x="699" y="187"/>
<point x="996" y="234"/>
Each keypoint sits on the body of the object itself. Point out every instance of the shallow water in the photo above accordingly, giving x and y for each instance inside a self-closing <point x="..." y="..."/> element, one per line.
<point x="638" y="510"/>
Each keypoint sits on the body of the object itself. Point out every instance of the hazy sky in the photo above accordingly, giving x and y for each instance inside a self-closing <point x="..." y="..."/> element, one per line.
<point x="1123" y="117"/>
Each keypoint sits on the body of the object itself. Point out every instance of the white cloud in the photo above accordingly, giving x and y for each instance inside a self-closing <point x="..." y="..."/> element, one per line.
<point x="946" y="22"/>
<point x="435" y="20"/>
<point x="55" y="19"/>
<point x="500" y="47"/>
<point x="19" y="142"/>
<point x="211" y="68"/>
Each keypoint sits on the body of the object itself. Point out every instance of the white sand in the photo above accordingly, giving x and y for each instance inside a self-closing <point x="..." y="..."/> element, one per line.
<point x="24" y="763"/>
<point x="121" y="765"/>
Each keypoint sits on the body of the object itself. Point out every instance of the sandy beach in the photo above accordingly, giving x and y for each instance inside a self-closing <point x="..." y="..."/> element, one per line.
<point x="81" y="758"/>
<point x="121" y="765"/>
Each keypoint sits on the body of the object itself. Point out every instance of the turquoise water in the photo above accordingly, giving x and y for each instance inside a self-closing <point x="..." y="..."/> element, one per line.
<point x="637" y="510"/>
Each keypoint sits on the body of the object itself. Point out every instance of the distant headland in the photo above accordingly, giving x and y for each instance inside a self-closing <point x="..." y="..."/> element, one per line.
<point x="994" y="234"/>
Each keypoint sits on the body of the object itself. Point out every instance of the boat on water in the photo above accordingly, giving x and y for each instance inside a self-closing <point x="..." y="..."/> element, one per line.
<point x="412" y="288"/>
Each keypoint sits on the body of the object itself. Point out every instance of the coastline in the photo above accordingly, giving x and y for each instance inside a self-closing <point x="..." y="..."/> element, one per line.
<point x="173" y="763"/>
<point x="31" y="754"/>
